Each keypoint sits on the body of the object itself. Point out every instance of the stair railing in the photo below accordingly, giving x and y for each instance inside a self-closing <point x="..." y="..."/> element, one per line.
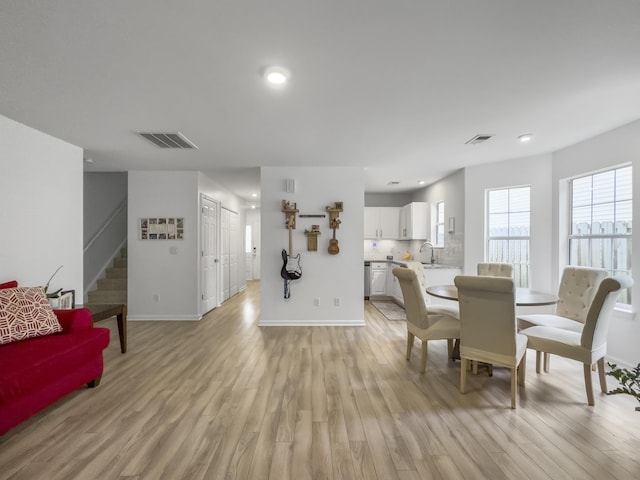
<point x="105" y="225"/>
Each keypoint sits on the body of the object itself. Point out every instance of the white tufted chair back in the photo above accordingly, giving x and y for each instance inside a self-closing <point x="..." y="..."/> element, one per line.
<point x="487" y="314"/>
<point x="578" y="287"/>
<point x="594" y="335"/>
<point x="414" y="305"/>
<point x="419" y="269"/>
<point x="495" y="270"/>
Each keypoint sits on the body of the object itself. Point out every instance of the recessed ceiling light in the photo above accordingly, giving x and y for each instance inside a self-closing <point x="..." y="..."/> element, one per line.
<point x="420" y="182"/>
<point x="254" y="195"/>
<point x="253" y="206"/>
<point x="276" y="76"/>
<point x="526" y="137"/>
<point x="88" y="160"/>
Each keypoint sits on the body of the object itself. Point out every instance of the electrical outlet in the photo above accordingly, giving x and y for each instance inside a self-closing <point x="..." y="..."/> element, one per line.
<point x="336" y="302"/>
<point x="316" y="302"/>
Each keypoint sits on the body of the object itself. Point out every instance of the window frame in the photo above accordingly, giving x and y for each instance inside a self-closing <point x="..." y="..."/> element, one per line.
<point x="519" y="281"/>
<point x="600" y="236"/>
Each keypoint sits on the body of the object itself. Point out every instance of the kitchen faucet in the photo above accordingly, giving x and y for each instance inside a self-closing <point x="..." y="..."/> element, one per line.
<point x="433" y="259"/>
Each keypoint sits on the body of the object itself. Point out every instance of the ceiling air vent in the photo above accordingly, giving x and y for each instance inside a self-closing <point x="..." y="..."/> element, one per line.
<point x="169" y="140"/>
<point x="481" y="138"/>
<point x="393" y="182"/>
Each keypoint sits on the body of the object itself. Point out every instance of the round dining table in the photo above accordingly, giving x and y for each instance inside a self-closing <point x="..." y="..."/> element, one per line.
<point x="525" y="297"/>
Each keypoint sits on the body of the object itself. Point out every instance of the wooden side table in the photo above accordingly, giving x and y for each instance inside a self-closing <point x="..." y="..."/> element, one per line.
<point x="104" y="311"/>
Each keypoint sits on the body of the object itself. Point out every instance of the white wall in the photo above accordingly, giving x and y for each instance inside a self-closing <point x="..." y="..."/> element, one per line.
<point x="386" y="199"/>
<point x="616" y="147"/>
<point x="41" y="213"/>
<point x="534" y="171"/>
<point x="166" y="268"/>
<point x="324" y="276"/>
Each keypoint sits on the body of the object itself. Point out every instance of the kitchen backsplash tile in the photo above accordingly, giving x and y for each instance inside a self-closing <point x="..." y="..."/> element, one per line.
<point x="451" y="254"/>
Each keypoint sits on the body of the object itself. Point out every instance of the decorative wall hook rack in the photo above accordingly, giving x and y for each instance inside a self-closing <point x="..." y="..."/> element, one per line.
<point x="312" y="238"/>
<point x="290" y="212"/>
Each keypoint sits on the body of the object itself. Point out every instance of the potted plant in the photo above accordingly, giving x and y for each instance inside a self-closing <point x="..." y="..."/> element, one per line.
<point x="629" y="381"/>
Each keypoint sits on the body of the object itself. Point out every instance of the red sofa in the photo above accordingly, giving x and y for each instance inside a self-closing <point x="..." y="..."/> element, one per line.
<point x="36" y="372"/>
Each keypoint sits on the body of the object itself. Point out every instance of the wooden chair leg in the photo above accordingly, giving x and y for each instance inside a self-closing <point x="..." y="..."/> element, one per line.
<point x="538" y="355"/>
<point x="522" y="368"/>
<point x="601" y="374"/>
<point x="410" y="337"/>
<point x="463" y="373"/>
<point x="587" y="384"/>
<point x="547" y="359"/>
<point x="423" y="361"/>
<point x="514" y="386"/>
<point x="450" y="348"/>
<point x="474" y="367"/>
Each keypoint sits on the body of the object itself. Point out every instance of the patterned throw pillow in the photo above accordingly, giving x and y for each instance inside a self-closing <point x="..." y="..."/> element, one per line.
<point x="25" y="313"/>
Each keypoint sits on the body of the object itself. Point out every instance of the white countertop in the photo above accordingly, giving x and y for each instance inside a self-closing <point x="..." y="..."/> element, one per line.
<point x="425" y="264"/>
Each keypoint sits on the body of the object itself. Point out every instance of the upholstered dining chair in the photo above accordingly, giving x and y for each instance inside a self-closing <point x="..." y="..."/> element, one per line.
<point x="419" y="269"/>
<point x="578" y="287"/>
<point x="495" y="269"/>
<point x="427" y="322"/>
<point x="588" y="346"/>
<point x="488" y="327"/>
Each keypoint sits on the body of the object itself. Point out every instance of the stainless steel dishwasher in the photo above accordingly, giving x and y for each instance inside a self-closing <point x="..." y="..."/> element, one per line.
<point x="367" y="280"/>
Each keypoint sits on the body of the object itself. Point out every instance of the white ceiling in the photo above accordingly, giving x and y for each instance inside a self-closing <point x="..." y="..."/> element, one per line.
<point x="397" y="86"/>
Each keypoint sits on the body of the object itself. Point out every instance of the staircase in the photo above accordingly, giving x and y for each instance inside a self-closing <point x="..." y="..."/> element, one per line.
<point x="112" y="288"/>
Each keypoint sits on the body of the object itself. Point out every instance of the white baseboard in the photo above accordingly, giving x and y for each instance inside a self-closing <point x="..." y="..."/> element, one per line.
<point x="164" y="318"/>
<point x="311" y="323"/>
<point x="620" y="363"/>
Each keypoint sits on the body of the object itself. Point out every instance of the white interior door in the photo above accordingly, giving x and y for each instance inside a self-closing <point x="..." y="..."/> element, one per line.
<point x="234" y="252"/>
<point x="253" y="256"/>
<point x="209" y="255"/>
<point x="224" y="251"/>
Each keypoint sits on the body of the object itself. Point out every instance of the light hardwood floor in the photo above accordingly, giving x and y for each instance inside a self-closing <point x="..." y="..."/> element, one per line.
<point x="224" y="399"/>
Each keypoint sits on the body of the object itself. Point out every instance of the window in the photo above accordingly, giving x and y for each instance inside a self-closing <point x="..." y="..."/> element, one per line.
<point x="600" y="215"/>
<point x="439" y="224"/>
<point x="508" y="230"/>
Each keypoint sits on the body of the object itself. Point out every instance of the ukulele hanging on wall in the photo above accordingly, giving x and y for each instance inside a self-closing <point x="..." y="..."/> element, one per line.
<point x="334" y="223"/>
<point x="334" y="249"/>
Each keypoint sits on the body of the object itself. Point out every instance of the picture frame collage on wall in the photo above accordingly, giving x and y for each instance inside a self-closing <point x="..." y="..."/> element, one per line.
<point x="162" y="228"/>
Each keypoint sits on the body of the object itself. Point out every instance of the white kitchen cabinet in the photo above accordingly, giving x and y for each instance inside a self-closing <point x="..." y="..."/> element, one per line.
<point x="382" y="222"/>
<point x="378" y="278"/>
<point x="414" y="221"/>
